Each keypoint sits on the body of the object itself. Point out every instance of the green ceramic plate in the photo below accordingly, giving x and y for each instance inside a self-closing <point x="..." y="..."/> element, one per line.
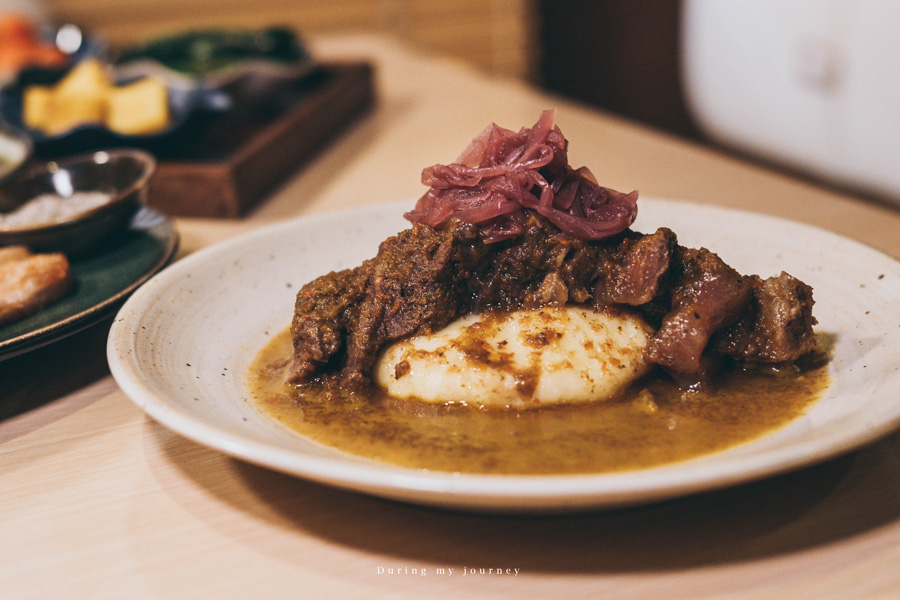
<point x="102" y="281"/>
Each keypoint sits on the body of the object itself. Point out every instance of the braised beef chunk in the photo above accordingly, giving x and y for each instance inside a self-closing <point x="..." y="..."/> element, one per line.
<point x="417" y="282"/>
<point x="542" y="267"/>
<point x="323" y="313"/>
<point x="634" y="271"/>
<point x="424" y="278"/>
<point x="706" y="295"/>
<point x="777" y="325"/>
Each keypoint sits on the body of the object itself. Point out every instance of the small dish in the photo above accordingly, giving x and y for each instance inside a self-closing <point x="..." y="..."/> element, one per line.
<point x="186" y="106"/>
<point x="122" y="175"/>
<point x="16" y="150"/>
<point x="102" y="281"/>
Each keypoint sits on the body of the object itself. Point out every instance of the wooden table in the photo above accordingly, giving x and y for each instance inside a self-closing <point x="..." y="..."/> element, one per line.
<point x="98" y="501"/>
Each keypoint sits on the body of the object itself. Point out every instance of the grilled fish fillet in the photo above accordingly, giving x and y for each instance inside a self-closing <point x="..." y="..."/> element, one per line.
<point x="29" y="282"/>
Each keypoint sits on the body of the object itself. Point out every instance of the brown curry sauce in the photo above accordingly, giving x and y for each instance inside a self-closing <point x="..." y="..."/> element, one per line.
<point x="654" y="423"/>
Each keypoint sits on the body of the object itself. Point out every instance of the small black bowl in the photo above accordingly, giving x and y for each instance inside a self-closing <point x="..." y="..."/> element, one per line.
<point x="123" y="174"/>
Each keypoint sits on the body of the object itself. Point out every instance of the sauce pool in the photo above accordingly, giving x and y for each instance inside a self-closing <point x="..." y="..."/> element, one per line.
<point x="652" y="424"/>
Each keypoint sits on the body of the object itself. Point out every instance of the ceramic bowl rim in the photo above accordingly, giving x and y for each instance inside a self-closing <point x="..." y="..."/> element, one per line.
<point x="142" y="157"/>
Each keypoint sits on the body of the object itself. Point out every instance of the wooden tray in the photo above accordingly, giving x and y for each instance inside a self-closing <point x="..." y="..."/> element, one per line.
<point x="230" y="161"/>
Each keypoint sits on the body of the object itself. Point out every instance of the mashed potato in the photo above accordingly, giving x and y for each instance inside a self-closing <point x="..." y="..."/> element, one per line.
<point x="521" y="359"/>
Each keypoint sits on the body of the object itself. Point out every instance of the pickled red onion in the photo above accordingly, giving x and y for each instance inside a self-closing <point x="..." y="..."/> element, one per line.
<point x="502" y="175"/>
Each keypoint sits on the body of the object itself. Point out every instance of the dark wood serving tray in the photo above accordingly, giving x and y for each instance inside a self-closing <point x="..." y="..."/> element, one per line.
<point x="229" y="161"/>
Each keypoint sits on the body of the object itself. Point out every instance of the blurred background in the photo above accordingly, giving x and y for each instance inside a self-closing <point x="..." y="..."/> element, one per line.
<point x="494" y="35"/>
<point x="810" y="86"/>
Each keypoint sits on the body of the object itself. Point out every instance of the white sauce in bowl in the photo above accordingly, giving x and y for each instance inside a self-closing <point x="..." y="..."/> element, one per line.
<point x="47" y="209"/>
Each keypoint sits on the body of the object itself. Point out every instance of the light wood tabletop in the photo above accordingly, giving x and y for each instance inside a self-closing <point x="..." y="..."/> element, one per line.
<point x="99" y="501"/>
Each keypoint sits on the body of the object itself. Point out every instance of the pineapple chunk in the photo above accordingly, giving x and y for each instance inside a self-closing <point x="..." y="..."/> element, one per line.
<point x="37" y="103"/>
<point x="87" y="79"/>
<point x="139" y="108"/>
<point x="69" y="113"/>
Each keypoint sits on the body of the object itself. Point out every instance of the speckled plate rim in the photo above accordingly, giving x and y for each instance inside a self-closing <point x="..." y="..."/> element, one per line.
<point x="174" y="385"/>
<point x="77" y="321"/>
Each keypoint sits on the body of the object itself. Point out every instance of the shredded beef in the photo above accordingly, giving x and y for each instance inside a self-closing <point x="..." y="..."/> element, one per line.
<point x="323" y="313"/>
<point x="418" y="282"/>
<point x="424" y="278"/>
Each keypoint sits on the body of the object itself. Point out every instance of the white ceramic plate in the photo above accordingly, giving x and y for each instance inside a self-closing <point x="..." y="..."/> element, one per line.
<point x="180" y="347"/>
